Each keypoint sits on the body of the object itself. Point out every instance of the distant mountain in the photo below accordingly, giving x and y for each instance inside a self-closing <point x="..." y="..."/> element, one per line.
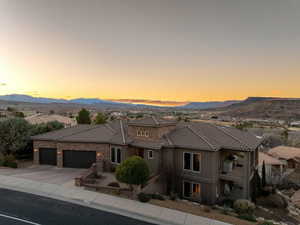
<point x="27" y="98"/>
<point x="208" y="105"/>
<point x="30" y="99"/>
<point x="265" y="108"/>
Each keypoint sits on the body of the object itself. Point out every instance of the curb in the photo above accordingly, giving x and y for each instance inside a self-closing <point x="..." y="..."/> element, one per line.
<point x="94" y="205"/>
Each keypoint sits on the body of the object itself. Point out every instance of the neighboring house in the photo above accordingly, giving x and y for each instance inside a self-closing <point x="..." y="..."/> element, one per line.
<point x="200" y="161"/>
<point x="274" y="168"/>
<point x="43" y="118"/>
<point x="289" y="155"/>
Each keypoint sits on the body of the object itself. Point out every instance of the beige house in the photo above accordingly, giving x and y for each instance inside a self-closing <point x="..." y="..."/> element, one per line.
<point x="200" y="161"/>
<point x="289" y="155"/>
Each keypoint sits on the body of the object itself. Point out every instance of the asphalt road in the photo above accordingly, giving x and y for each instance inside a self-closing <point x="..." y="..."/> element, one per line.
<point x="17" y="208"/>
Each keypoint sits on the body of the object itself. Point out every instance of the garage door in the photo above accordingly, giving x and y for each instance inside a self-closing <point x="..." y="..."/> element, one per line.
<point x="78" y="159"/>
<point x="47" y="156"/>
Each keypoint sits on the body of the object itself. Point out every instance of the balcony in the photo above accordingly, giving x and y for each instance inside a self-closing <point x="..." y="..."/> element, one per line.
<point x="232" y="168"/>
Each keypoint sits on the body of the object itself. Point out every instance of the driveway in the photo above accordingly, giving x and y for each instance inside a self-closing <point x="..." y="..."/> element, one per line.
<point x="45" y="174"/>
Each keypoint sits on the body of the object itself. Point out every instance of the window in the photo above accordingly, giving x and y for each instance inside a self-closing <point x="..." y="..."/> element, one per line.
<point x="191" y="161"/>
<point x="150" y="154"/>
<point x="115" y="155"/>
<point x="191" y="190"/>
<point x="142" y="133"/>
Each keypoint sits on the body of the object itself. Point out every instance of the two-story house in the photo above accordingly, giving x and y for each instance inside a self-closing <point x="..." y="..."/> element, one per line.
<point x="200" y="161"/>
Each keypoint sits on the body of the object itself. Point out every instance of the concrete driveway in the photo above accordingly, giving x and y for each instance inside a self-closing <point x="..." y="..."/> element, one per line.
<point x="45" y="174"/>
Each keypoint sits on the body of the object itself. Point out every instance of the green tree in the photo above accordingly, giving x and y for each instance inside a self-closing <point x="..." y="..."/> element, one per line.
<point x="14" y="135"/>
<point x="100" y="118"/>
<point x="45" y="127"/>
<point x="19" y="114"/>
<point x="83" y="117"/>
<point x="133" y="171"/>
<point x="263" y="174"/>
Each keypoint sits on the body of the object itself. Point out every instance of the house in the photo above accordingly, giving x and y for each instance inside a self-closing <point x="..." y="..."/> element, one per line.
<point x="287" y="154"/>
<point x="200" y="161"/>
<point x="274" y="168"/>
<point x="43" y="118"/>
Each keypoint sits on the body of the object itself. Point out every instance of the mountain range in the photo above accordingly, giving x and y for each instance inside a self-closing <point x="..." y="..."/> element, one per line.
<point x="96" y="101"/>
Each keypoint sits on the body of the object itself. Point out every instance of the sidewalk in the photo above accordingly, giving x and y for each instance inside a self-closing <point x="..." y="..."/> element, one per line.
<point x="141" y="211"/>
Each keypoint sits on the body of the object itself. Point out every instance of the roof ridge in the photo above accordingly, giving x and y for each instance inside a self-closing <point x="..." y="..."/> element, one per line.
<point x="203" y="138"/>
<point x="155" y="120"/>
<point x="230" y="135"/>
<point x="168" y="139"/>
<point x="109" y="127"/>
<point x="122" y="131"/>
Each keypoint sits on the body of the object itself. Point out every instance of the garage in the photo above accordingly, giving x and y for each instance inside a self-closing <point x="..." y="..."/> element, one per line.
<point x="47" y="156"/>
<point x="78" y="159"/>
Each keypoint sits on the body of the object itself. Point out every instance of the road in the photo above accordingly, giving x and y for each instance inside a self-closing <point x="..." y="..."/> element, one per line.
<point x="17" y="208"/>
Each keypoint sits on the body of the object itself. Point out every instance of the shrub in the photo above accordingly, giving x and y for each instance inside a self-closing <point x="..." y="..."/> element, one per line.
<point x="10" y="161"/>
<point x="206" y="209"/>
<point x="243" y="206"/>
<point x="144" y="197"/>
<point x="266" y="223"/>
<point x="157" y="197"/>
<point x="248" y="217"/>
<point x="134" y="170"/>
<point x="173" y="196"/>
<point x="114" y="184"/>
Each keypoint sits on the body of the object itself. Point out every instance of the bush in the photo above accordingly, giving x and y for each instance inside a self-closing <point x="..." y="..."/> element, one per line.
<point x="114" y="184"/>
<point x="10" y="161"/>
<point x="243" y="206"/>
<point x="248" y="217"/>
<point x="134" y="170"/>
<point x="144" y="197"/>
<point x="173" y="196"/>
<point x="266" y="223"/>
<point x="206" y="209"/>
<point x="157" y="197"/>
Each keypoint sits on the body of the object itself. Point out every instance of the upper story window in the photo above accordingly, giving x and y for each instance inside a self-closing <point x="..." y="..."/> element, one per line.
<point x="142" y="133"/>
<point x="192" y="161"/>
<point x="115" y="155"/>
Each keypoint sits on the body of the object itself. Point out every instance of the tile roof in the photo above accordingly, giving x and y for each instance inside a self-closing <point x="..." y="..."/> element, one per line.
<point x="196" y="135"/>
<point x="285" y="152"/>
<point x="269" y="160"/>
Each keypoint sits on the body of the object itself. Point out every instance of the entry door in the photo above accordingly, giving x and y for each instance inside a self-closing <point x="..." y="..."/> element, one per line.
<point x="78" y="159"/>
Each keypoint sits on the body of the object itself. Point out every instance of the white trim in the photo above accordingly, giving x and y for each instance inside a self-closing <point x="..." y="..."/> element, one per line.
<point x="148" y="151"/>
<point x="116" y="155"/>
<point x="192" y="162"/>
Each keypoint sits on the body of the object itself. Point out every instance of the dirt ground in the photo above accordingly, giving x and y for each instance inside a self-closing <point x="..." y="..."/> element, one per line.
<point x="197" y="210"/>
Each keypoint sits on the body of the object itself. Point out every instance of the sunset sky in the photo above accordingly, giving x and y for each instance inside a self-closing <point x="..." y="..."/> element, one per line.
<point x="191" y="50"/>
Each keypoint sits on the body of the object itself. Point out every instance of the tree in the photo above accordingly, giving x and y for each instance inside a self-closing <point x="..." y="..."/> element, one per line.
<point x="133" y="171"/>
<point x="83" y="117"/>
<point x="19" y="114"/>
<point x="263" y="174"/>
<point x="100" y="118"/>
<point x="46" y="127"/>
<point x="14" y="135"/>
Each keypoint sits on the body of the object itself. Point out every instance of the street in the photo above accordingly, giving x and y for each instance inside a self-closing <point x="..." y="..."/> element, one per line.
<point x="17" y="208"/>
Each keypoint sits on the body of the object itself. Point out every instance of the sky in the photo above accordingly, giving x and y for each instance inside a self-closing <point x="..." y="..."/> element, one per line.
<point x="164" y="50"/>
